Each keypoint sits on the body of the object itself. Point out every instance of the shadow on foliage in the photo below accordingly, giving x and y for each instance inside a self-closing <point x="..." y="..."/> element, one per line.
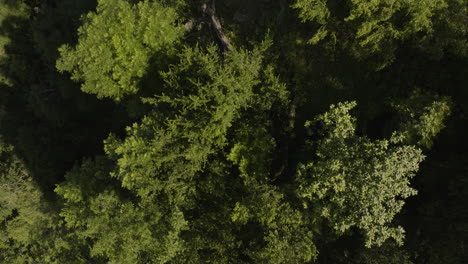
<point x="435" y="219"/>
<point x="43" y="114"/>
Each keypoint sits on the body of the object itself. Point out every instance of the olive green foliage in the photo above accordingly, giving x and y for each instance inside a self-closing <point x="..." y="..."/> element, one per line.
<point x="10" y="10"/>
<point x="20" y="206"/>
<point x="287" y="234"/>
<point x="424" y="115"/>
<point x="307" y="142"/>
<point x="450" y="31"/>
<point x="355" y="181"/>
<point x="197" y="125"/>
<point x="95" y="212"/>
<point x="117" y="44"/>
<point x="172" y="162"/>
<point x="30" y="229"/>
<point x="372" y="27"/>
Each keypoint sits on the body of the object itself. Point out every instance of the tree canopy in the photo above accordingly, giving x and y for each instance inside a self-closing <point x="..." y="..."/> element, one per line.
<point x="282" y="132"/>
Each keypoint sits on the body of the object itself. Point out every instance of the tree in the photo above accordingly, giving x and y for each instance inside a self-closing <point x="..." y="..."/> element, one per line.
<point x="354" y="181"/>
<point x="112" y="56"/>
<point x="368" y="28"/>
<point x="431" y="111"/>
<point x="231" y="151"/>
<point x="30" y="229"/>
<point x="173" y="165"/>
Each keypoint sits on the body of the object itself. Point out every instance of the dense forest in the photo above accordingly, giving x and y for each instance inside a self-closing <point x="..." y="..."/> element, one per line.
<point x="235" y="131"/>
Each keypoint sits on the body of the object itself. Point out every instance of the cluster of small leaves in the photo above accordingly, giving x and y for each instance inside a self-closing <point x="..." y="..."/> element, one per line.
<point x="356" y="181"/>
<point x="450" y="31"/>
<point x="30" y="229"/>
<point x="97" y="209"/>
<point x="175" y="187"/>
<point x="287" y="237"/>
<point x="205" y="96"/>
<point x="11" y="12"/>
<point x="368" y="27"/>
<point x="161" y="161"/>
<point x="423" y="117"/>
<point x="116" y="45"/>
<point x="208" y="174"/>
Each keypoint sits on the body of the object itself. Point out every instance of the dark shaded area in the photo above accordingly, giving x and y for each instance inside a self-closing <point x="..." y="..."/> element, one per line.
<point x="51" y="123"/>
<point x="435" y="220"/>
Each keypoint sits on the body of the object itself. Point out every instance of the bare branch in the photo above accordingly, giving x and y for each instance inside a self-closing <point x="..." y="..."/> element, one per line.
<point x="215" y="24"/>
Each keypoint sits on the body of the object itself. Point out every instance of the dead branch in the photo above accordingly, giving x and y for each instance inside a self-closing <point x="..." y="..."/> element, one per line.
<point x="216" y="28"/>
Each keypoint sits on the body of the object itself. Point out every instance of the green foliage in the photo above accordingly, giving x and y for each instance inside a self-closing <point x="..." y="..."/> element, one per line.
<point x="214" y="93"/>
<point x="96" y="210"/>
<point x="116" y="45"/>
<point x="450" y="31"/>
<point x="161" y="159"/>
<point x="174" y="165"/>
<point x="356" y="181"/>
<point x="372" y="27"/>
<point x="19" y="197"/>
<point x="215" y="165"/>
<point x="30" y="229"/>
<point x="288" y="237"/>
<point x="11" y="13"/>
<point x="423" y="118"/>
<point x="10" y="9"/>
